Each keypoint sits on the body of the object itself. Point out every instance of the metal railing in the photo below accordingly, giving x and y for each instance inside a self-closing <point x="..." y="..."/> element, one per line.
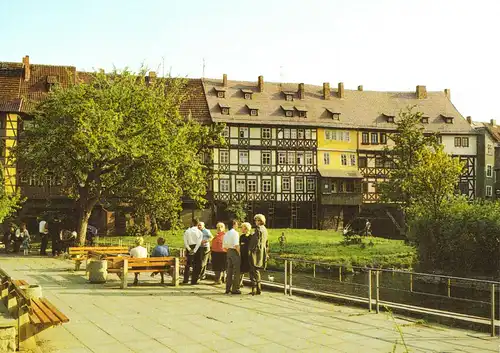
<point x="337" y="281"/>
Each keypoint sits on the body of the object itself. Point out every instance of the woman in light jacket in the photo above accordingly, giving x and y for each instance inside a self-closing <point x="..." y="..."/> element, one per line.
<point x="258" y="247"/>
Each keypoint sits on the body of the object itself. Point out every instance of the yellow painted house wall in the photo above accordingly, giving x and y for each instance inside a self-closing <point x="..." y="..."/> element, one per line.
<point x="9" y="167"/>
<point x="336" y="149"/>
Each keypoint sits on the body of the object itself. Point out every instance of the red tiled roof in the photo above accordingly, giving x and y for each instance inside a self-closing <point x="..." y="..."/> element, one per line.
<point x="196" y="103"/>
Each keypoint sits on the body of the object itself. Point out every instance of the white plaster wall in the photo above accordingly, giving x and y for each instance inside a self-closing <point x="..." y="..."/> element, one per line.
<point x="449" y="145"/>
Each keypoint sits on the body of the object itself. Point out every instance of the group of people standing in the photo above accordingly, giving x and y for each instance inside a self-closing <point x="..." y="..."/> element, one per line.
<point x="230" y="253"/>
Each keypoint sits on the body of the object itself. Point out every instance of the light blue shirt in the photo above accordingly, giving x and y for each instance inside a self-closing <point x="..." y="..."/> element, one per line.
<point x="207" y="235"/>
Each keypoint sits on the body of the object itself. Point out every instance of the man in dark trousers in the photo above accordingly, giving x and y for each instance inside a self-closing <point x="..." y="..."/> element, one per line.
<point x="43" y="230"/>
<point x="55" y="235"/>
<point x="192" y="242"/>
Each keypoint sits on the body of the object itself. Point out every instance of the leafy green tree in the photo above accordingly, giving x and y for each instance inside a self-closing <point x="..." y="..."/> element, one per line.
<point x="408" y="142"/>
<point x="237" y="210"/>
<point x="9" y="203"/>
<point x="433" y="179"/>
<point x="119" y="138"/>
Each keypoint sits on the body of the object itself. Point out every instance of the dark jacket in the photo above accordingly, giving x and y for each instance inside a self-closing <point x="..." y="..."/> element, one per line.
<point x="259" y="247"/>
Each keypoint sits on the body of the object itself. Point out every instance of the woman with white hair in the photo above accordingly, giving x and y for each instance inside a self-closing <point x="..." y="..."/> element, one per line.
<point x="244" y="239"/>
<point x="138" y="252"/>
<point x="258" y="247"/>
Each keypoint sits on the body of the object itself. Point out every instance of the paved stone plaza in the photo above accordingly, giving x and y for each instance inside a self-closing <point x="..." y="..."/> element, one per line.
<point x="154" y="318"/>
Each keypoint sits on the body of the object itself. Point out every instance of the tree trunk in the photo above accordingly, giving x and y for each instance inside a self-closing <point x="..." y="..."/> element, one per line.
<point x="84" y="211"/>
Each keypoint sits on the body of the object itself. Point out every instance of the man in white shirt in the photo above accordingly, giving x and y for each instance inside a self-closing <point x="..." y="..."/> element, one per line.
<point x="138" y="252"/>
<point x="43" y="230"/>
<point x="231" y="242"/>
<point x="192" y="242"/>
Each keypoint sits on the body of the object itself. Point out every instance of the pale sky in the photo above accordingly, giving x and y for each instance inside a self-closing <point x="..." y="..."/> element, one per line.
<point x="388" y="45"/>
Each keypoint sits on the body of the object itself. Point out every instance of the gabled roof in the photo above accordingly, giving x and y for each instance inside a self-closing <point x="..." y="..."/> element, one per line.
<point x="359" y="109"/>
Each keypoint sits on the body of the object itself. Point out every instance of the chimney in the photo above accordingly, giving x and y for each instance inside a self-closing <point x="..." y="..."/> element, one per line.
<point x="261" y="84"/>
<point x="493" y="122"/>
<point x="27" y="69"/>
<point x="326" y="90"/>
<point x="469" y="119"/>
<point x="224" y="80"/>
<point x="360" y="87"/>
<point x="447" y="93"/>
<point x="302" y="93"/>
<point x="421" y="92"/>
<point x="151" y="76"/>
<point x="340" y="92"/>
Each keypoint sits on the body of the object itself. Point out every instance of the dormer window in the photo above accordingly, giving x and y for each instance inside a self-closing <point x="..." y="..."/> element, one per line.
<point x="389" y="118"/>
<point x="424" y="120"/>
<point x="224" y="109"/>
<point x="221" y="92"/>
<point x="288" y="111"/>
<point x="288" y="95"/>
<point x="302" y="111"/>
<point x="254" y="111"/>
<point x="334" y="115"/>
<point x="247" y="93"/>
<point x="447" y="119"/>
<point x="51" y="81"/>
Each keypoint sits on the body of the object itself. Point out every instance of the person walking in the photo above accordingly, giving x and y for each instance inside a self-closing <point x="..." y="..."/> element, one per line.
<point x="244" y="239"/>
<point x="55" y="235"/>
<point x="219" y="257"/>
<point x="43" y="231"/>
<point x="258" y="246"/>
<point x="160" y="250"/>
<point x="9" y="233"/>
<point x="192" y="243"/>
<point x="22" y="237"/>
<point x="231" y="243"/>
<point x="19" y="236"/>
<point x="205" y="248"/>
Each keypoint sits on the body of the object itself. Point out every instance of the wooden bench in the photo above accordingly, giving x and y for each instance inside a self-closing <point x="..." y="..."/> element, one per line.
<point x="150" y="264"/>
<point x="81" y="253"/>
<point x="33" y="314"/>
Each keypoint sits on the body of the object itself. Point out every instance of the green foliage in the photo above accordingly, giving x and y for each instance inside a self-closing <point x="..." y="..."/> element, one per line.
<point x="409" y="143"/>
<point x="137" y="230"/>
<point x="463" y="238"/>
<point x="9" y="203"/>
<point x="119" y="139"/>
<point x="237" y="210"/>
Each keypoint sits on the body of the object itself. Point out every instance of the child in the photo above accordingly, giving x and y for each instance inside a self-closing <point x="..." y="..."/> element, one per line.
<point x="23" y="235"/>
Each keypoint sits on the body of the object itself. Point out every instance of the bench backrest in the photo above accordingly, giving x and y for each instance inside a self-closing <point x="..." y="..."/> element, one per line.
<point x="159" y="262"/>
<point x="83" y="250"/>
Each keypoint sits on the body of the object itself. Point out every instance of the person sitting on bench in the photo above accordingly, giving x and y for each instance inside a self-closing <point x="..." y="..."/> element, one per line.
<point x="160" y="250"/>
<point x="138" y="252"/>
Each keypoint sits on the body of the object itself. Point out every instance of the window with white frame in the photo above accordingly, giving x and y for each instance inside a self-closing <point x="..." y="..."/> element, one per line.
<point x="311" y="184"/>
<point x="299" y="184"/>
<point x="293" y="134"/>
<point x="343" y="159"/>
<point x="225" y="132"/>
<point x="224" y="157"/>
<point x="290" y="158"/>
<point x="307" y="134"/>
<point x="489" y="171"/>
<point x="353" y="160"/>
<point x="266" y="158"/>
<point x="281" y="157"/>
<point x="224" y="185"/>
<point x="300" y="134"/>
<point x="266" y="133"/>
<point x="465" y="142"/>
<point x="251" y="185"/>
<point x="300" y="158"/>
<point x="309" y="158"/>
<point x="266" y="185"/>
<point x="243" y="132"/>
<point x="326" y="158"/>
<point x="489" y="149"/>
<point x="243" y="157"/>
<point x="489" y="190"/>
<point x="328" y="135"/>
<point x="285" y="184"/>
<point x="286" y="133"/>
<point x="240" y="186"/>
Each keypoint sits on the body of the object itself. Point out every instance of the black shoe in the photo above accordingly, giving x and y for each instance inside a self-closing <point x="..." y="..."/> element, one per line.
<point x="185" y="282"/>
<point x="227" y="292"/>
<point x="236" y="292"/>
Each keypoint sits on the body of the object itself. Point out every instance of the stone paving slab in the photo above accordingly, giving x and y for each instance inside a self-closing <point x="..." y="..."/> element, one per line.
<point x="155" y="318"/>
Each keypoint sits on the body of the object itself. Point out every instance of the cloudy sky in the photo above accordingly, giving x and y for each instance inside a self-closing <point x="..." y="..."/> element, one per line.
<point x="389" y="45"/>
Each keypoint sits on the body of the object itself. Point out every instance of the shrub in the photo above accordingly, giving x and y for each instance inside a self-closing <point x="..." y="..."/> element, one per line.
<point x="462" y="238"/>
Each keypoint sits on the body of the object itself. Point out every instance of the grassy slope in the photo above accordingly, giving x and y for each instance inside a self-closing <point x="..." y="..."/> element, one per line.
<point x="322" y="245"/>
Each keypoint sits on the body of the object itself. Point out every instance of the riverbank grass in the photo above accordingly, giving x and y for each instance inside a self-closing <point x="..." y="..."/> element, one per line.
<point x="319" y="245"/>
